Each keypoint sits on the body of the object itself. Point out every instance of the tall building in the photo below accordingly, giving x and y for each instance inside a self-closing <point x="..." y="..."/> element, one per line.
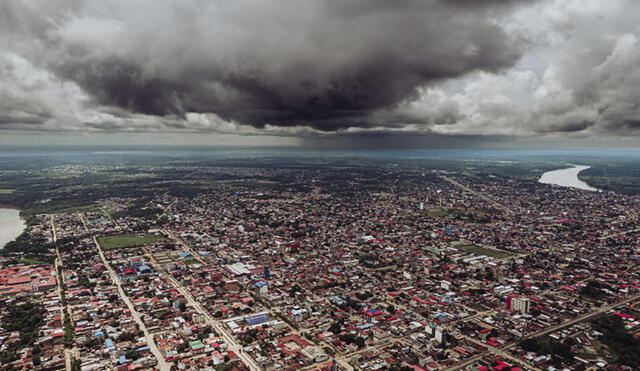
<point x="441" y="337"/>
<point x="518" y="304"/>
<point x="261" y="288"/>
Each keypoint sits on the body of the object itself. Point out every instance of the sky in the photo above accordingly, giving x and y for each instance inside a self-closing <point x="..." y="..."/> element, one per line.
<point x="321" y="73"/>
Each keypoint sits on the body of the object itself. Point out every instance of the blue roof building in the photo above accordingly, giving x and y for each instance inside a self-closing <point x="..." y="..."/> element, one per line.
<point x="109" y="345"/>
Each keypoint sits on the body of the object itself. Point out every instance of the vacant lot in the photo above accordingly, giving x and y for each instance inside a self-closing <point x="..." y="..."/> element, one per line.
<point x="127" y="240"/>
<point x="479" y="250"/>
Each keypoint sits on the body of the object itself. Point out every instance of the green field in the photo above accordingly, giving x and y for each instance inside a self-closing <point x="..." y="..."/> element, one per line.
<point x="127" y="240"/>
<point x="438" y="212"/>
<point x="30" y="261"/>
<point x="191" y="261"/>
<point x="6" y="191"/>
<point x="479" y="250"/>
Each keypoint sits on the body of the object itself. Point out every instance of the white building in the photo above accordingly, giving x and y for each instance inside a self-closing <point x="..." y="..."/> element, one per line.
<point x="520" y="304"/>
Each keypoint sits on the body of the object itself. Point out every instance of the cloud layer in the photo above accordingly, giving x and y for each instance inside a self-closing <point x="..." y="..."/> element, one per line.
<point x="304" y="68"/>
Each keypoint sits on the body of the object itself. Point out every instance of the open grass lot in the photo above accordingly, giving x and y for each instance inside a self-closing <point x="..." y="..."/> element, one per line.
<point x="127" y="240"/>
<point x="479" y="250"/>
<point x="7" y="191"/>
<point x="191" y="261"/>
<point x="30" y="261"/>
<point x="438" y="212"/>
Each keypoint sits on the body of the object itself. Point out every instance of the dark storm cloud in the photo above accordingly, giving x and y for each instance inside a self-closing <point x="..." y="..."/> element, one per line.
<point x="15" y="118"/>
<point x="326" y="64"/>
<point x="122" y="84"/>
<point x="567" y="126"/>
<point x="323" y="68"/>
<point x="484" y="3"/>
<point x="404" y="140"/>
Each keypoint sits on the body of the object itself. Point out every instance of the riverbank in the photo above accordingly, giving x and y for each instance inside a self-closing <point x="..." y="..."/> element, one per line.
<point x="567" y="178"/>
<point x="11" y="225"/>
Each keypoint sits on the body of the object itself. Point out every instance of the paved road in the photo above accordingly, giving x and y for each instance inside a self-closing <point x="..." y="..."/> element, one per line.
<point x="215" y="324"/>
<point x="108" y="215"/>
<point x="53" y="229"/>
<point x="583" y="318"/>
<point x="503" y="350"/>
<point x="219" y="326"/>
<point x="498" y="351"/>
<point x="617" y="234"/>
<point x="467" y="362"/>
<point x="69" y="354"/>
<point x="184" y="245"/>
<point x="479" y="194"/>
<point x="162" y="363"/>
<point x="164" y="211"/>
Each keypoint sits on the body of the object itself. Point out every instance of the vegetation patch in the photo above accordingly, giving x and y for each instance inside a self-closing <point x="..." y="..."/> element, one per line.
<point x="624" y="346"/>
<point x="191" y="261"/>
<point x="559" y="352"/>
<point x="593" y="290"/>
<point x="30" y="246"/>
<point x="479" y="250"/>
<point x="482" y="215"/>
<point x="25" y="318"/>
<point x="7" y="191"/>
<point x="127" y="240"/>
<point x="437" y="213"/>
<point x="29" y="261"/>
<point x="58" y="206"/>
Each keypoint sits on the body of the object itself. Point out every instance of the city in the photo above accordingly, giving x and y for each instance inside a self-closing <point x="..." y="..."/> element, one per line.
<point x="326" y="269"/>
<point x="320" y="185"/>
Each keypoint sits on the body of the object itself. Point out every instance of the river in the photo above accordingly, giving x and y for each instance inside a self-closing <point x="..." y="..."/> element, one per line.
<point x="10" y="225"/>
<point x="567" y="178"/>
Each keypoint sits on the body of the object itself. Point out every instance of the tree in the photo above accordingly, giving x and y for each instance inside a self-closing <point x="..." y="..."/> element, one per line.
<point x="126" y="336"/>
<point x="8" y="357"/>
<point x="76" y="364"/>
<point x="625" y="347"/>
<point x="132" y="354"/>
<point x="335" y="327"/>
<point x="92" y="342"/>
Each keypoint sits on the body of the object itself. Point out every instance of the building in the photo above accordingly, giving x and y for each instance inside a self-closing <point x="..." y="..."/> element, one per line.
<point x="315" y="354"/>
<point x="441" y="337"/>
<point x="334" y="365"/>
<point x="518" y="304"/>
<point x="232" y="285"/>
<point x="27" y="278"/>
<point x="445" y="285"/>
<point x="299" y="315"/>
<point x="261" y="288"/>
<point x="257" y="319"/>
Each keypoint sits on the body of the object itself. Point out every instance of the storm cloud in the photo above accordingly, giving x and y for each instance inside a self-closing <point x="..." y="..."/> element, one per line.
<point x="299" y="67"/>
<point x="326" y="64"/>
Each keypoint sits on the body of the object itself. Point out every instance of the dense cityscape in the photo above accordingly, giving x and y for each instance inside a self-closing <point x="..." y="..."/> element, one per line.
<point x="321" y="269"/>
<point x="320" y="185"/>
